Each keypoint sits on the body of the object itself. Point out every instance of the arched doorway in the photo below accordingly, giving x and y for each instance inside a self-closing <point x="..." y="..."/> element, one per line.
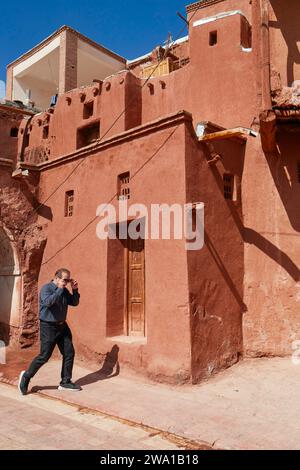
<point x="10" y="285"/>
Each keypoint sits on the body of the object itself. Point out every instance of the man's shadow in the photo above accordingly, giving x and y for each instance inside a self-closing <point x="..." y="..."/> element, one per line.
<point x="37" y="388"/>
<point x="109" y="369"/>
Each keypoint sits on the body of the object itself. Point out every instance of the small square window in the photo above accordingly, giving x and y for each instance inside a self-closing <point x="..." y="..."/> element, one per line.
<point x="69" y="204"/>
<point x="124" y="186"/>
<point x="213" y="38"/>
<point x="14" y="132"/>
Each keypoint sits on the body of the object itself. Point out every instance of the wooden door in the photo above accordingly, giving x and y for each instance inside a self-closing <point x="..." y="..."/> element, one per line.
<point x="136" y="288"/>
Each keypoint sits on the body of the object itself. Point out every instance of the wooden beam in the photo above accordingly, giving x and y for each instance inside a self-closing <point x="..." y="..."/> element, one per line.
<point x="238" y="132"/>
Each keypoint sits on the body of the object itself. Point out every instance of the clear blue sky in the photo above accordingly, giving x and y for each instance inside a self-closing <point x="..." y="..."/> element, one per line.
<point x="128" y="27"/>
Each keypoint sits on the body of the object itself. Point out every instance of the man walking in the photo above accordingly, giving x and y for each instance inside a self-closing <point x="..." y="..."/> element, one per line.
<point x="54" y="301"/>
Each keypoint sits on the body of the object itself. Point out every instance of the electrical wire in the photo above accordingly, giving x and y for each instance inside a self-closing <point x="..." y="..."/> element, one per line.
<point x="110" y="201"/>
<point x="167" y="49"/>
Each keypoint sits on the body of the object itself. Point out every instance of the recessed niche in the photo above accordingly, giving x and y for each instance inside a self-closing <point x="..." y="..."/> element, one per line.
<point x="87" y="135"/>
<point x="14" y="132"/>
<point x="88" y="110"/>
<point x="45" y="132"/>
<point x="213" y="38"/>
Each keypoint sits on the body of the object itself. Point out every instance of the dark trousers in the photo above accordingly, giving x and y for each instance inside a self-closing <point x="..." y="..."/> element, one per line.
<point x="53" y="334"/>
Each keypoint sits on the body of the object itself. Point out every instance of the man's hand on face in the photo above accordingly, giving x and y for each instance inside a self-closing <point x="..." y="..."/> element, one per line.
<point x="61" y="284"/>
<point x="74" y="284"/>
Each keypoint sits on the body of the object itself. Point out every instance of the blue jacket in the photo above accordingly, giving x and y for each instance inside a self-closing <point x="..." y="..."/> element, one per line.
<point x="54" y="302"/>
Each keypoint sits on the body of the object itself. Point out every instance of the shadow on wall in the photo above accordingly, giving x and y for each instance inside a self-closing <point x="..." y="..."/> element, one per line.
<point x="288" y="17"/>
<point x="254" y="238"/>
<point x="45" y="211"/>
<point x="225" y="273"/>
<point x="28" y="185"/>
<point x="109" y="369"/>
<point x="232" y="156"/>
<point x="284" y="167"/>
<point x="289" y="195"/>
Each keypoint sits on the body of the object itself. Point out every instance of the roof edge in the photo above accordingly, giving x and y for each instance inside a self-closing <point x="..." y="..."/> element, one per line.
<point x="147" y="56"/>
<point x="56" y="33"/>
<point x="201" y="4"/>
<point x="169" y="120"/>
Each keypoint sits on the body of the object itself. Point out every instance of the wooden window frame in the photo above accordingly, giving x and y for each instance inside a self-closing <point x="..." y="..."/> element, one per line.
<point x="69" y="203"/>
<point x="124" y="186"/>
<point x="229" y="187"/>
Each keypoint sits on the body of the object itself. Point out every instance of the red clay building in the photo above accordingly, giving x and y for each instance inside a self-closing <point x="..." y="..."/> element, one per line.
<point x="218" y="122"/>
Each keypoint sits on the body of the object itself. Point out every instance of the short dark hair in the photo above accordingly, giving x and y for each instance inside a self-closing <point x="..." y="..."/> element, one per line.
<point x="60" y="272"/>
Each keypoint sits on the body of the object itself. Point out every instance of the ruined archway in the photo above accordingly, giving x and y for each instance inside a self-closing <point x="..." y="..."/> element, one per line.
<point x="10" y="285"/>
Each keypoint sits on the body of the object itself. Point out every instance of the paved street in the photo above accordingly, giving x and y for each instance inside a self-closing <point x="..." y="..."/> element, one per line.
<point x="253" y="405"/>
<point x="40" y="423"/>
